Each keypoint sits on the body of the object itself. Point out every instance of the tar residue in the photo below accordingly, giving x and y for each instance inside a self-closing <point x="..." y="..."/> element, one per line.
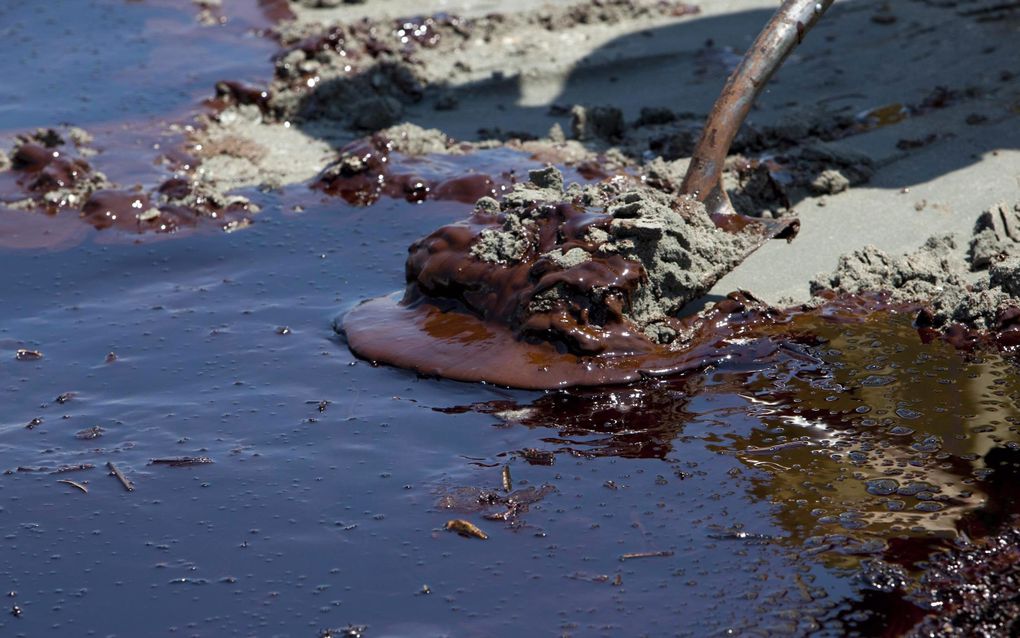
<point x="48" y="174"/>
<point x="369" y="169"/>
<point x="821" y="449"/>
<point x="876" y="446"/>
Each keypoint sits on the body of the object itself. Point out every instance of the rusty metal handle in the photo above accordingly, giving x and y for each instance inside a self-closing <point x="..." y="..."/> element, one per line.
<point x="784" y="31"/>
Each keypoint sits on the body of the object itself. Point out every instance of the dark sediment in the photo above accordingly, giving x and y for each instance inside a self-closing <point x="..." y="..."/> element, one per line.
<point x="46" y="174"/>
<point x="976" y="591"/>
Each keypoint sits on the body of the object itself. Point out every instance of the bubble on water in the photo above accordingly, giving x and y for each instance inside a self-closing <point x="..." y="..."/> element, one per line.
<point x="851" y="520"/>
<point x="877" y="380"/>
<point x="882" y="487"/>
<point x="857" y="457"/>
<point x="915" y="487"/>
<point x="929" y="444"/>
<point x="907" y="413"/>
<point x="929" y="506"/>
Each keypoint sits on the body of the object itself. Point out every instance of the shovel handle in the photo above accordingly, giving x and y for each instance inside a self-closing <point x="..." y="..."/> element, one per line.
<point x="780" y="36"/>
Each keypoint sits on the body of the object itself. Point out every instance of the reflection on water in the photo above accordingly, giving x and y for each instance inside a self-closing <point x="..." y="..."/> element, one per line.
<point x="637" y="421"/>
<point x="867" y="442"/>
<point x="904" y="437"/>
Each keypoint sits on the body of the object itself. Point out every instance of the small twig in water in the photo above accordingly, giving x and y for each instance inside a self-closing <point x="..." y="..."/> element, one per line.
<point x="772" y="449"/>
<point x="128" y="485"/>
<point x="74" y="484"/>
<point x="508" y="484"/>
<point x="659" y="554"/>
<point x="23" y="354"/>
<point x="466" y="528"/>
<point x="768" y="466"/>
<point x="182" y="461"/>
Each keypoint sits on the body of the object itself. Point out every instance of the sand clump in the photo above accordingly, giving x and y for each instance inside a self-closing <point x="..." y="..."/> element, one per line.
<point x="938" y="273"/>
<point x="336" y="79"/>
<point x="996" y="235"/>
<point x="680" y="249"/>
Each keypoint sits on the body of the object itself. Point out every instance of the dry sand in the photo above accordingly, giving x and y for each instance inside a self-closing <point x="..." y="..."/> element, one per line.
<point x="949" y="65"/>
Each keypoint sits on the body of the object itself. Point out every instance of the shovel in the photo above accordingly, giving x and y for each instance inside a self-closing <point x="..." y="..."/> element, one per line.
<point x="464" y="323"/>
<point x="784" y="31"/>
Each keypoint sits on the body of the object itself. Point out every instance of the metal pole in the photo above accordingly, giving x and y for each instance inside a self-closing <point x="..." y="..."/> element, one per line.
<point x="780" y="36"/>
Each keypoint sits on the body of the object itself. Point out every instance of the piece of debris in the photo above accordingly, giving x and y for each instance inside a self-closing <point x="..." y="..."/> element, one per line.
<point x="114" y="471"/>
<point x="537" y="457"/>
<point x="659" y="554"/>
<point x="182" y="461"/>
<point x="508" y="484"/>
<point x="771" y="449"/>
<point x="88" y="434"/>
<point x="74" y="484"/>
<point x="63" y="469"/>
<point x="465" y="528"/>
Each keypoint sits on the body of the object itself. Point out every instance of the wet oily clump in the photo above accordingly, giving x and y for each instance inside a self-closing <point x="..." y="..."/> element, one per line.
<point x="367" y="170"/>
<point x="43" y="172"/>
<point x="975" y="589"/>
<point x="592" y="271"/>
<point x="555" y="287"/>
